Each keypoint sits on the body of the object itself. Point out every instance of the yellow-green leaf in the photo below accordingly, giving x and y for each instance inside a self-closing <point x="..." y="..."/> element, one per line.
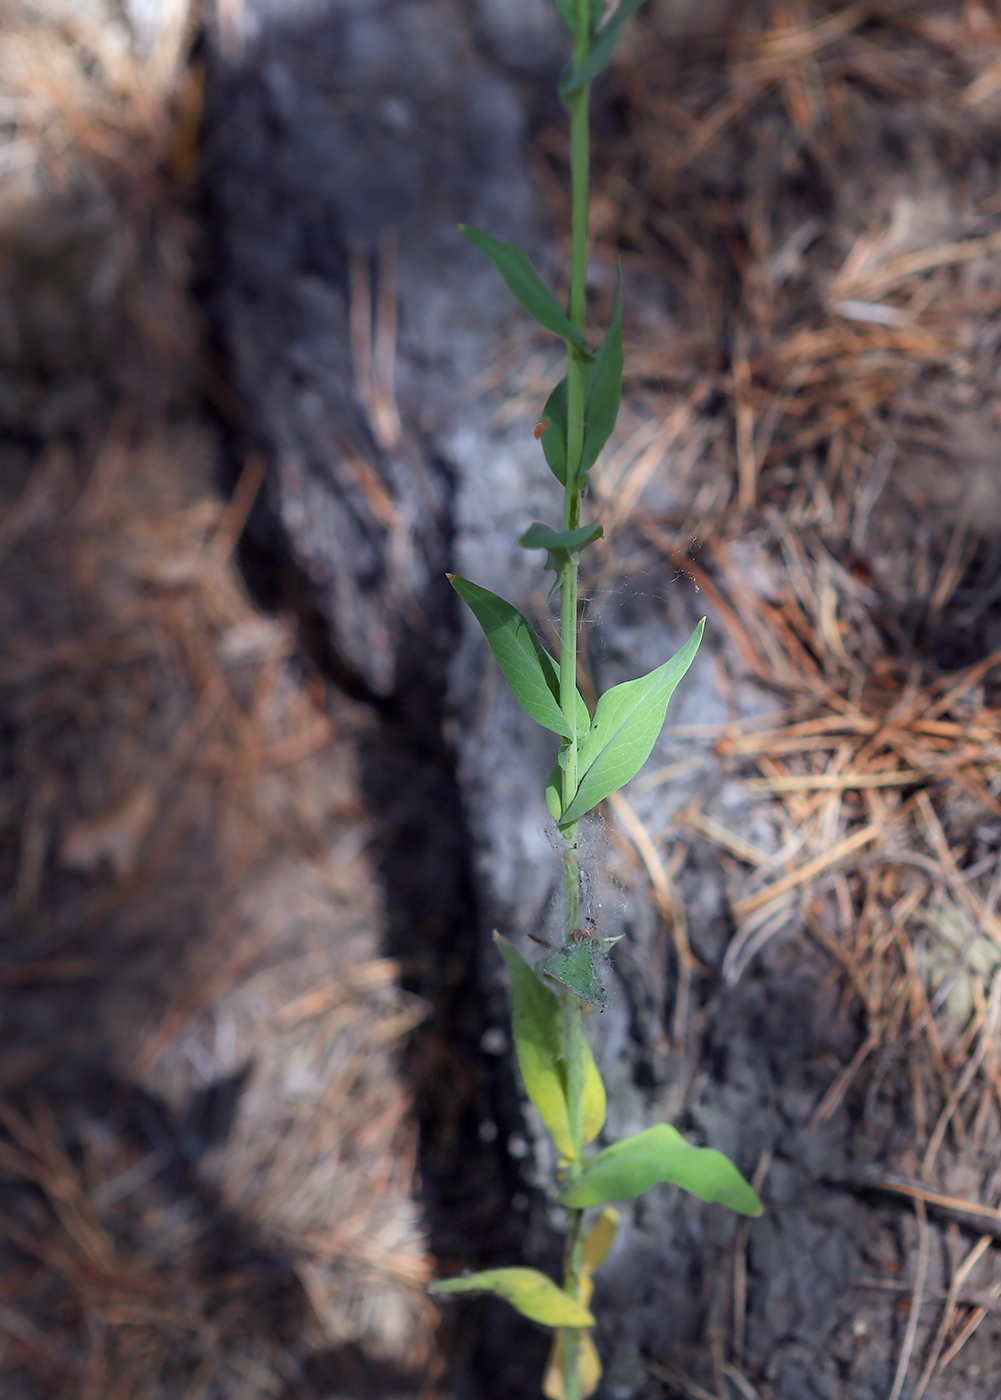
<point x="588" y="1368"/>
<point x="537" y="1022"/>
<point x="597" y="1243"/>
<point x="632" y="1166"/>
<point x="534" y="1295"/>
<point x="554" y="793"/>
<point x="599" y="1239"/>
<point x="594" y="1097"/>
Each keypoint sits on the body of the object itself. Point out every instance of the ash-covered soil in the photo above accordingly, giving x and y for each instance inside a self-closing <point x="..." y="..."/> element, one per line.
<point x="804" y="209"/>
<point x="254" y="850"/>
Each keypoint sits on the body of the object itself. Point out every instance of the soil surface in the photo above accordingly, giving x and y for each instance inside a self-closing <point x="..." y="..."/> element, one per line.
<point x="264" y="797"/>
<point x="344" y="144"/>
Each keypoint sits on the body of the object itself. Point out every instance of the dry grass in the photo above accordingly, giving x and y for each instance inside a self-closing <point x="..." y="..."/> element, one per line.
<point x="206" y="1151"/>
<point x="806" y="201"/>
<point x="820" y="188"/>
<point x="183" y="842"/>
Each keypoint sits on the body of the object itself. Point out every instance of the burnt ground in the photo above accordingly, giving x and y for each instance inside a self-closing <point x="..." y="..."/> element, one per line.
<point x="252" y="845"/>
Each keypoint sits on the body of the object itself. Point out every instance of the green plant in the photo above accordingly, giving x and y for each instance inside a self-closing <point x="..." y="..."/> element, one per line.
<point x="596" y="756"/>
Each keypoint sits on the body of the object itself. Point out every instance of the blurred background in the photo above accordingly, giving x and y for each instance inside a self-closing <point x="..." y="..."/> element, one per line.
<point x="261" y="800"/>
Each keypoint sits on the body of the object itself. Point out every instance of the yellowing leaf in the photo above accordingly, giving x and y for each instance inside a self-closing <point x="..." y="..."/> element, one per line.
<point x="532" y="1293"/>
<point x="594" y="1097"/>
<point x="588" y="1366"/>
<point x="597" y="1243"/>
<point x="599" y="1240"/>
<point x="537" y="1023"/>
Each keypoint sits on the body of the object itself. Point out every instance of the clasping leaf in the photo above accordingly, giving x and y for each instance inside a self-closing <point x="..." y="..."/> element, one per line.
<point x="568" y="14"/>
<point x="576" y="966"/>
<point x="537" y="1025"/>
<point x="632" y="1166"/>
<point x="535" y="1295"/>
<point x="554" y="794"/>
<point x="603" y="389"/>
<point x="596" y="1245"/>
<point x="554" y="439"/>
<point x="527" y="287"/>
<point x="574" y="79"/>
<point x="563" y="547"/>
<point x="627" y="720"/>
<point x="520" y="654"/>
<point x="604" y="392"/>
<point x="528" y="668"/>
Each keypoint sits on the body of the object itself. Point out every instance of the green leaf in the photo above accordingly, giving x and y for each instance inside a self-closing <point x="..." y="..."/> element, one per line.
<point x="605" y="392"/>
<point x="576" y="966"/>
<point x="660" y="1154"/>
<point x="552" y="674"/>
<point x="527" y="287"/>
<point x="603" y="386"/>
<point x="563" y="547"/>
<point x="627" y="720"/>
<point x="601" y="51"/>
<point x="532" y="1293"/>
<point x="568" y="14"/>
<point x="537" y="1023"/>
<point x="520" y="654"/>
<point x="554" y="439"/>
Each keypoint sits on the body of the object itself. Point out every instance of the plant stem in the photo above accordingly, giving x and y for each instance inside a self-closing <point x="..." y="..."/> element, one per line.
<point x="573" y="1030"/>
<point x="579" y="175"/>
<point x="573" y="1043"/>
<point x="580" y="157"/>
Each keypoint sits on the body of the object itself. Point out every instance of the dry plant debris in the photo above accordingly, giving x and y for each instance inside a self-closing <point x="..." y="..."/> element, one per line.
<point x="812" y="447"/>
<point x="206" y="1148"/>
<point x="818" y="191"/>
